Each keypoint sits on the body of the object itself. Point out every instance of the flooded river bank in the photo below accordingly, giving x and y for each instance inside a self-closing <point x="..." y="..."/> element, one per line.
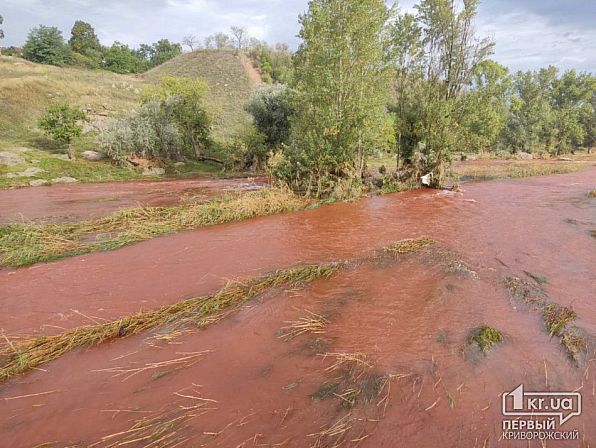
<point x="389" y="366"/>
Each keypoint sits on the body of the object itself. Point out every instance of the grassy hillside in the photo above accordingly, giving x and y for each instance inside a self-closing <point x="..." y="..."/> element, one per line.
<point x="26" y="89"/>
<point x="231" y="82"/>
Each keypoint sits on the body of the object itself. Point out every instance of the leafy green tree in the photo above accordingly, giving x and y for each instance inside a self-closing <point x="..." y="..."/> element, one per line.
<point x="272" y="109"/>
<point x="570" y="100"/>
<point x="119" y="58"/>
<point x="83" y="39"/>
<point x="340" y="77"/>
<point x="486" y="107"/>
<point x="163" y="51"/>
<point x="62" y="123"/>
<point x="46" y="45"/>
<point x="435" y="55"/>
<point x="530" y="117"/>
<point x="190" y="114"/>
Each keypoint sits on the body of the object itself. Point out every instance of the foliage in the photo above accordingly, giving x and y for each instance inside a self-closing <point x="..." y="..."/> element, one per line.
<point x="342" y="94"/>
<point x="485" y="338"/>
<point x="190" y="113"/>
<point x="271" y="108"/>
<point x="435" y="55"/>
<point x="274" y="63"/>
<point x="149" y="132"/>
<point x="162" y="51"/>
<point x="170" y="122"/>
<point x="551" y="112"/>
<point x="83" y="39"/>
<point x="120" y="58"/>
<point x="62" y="123"/>
<point x="46" y="45"/>
<point x="486" y="107"/>
<point x="1" y="30"/>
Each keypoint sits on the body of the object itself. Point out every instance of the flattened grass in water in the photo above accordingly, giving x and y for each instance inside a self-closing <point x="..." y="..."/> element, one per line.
<point x="21" y="356"/>
<point x="24" y="244"/>
<point x="26" y="354"/>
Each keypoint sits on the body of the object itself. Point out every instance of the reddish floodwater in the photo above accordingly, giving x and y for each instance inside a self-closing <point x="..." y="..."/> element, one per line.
<point x="74" y="202"/>
<point x="410" y="317"/>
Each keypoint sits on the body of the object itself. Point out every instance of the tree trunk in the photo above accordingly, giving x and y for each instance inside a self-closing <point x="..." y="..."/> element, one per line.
<point x="71" y="152"/>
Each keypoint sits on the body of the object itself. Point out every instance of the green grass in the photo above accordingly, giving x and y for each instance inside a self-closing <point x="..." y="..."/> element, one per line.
<point x="24" y="244"/>
<point x="515" y="170"/>
<point x="485" y="338"/>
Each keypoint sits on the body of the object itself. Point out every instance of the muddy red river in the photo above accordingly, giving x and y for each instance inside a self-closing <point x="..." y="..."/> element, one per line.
<point x="237" y="383"/>
<point x="62" y="203"/>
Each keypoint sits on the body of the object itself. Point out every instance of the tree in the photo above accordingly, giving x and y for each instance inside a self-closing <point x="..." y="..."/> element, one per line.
<point x="486" y="107"/>
<point x="164" y="50"/>
<point x="570" y="100"/>
<point x="240" y="37"/>
<point x="1" y="31"/>
<point x="46" y="46"/>
<point x="530" y="113"/>
<point x="62" y="123"/>
<point x="119" y="58"/>
<point x="190" y="41"/>
<point x="271" y="109"/>
<point x="341" y="81"/>
<point x="190" y="114"/>
<point x="221" y="41"/>
<point x="83" y="39"/>
<point x="435" y="58"/>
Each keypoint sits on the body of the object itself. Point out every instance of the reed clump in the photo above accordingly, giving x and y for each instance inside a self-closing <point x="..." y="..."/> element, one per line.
<point x="409" y="246"/>
<point x="24" y="244"/>
<point x="557" y="317"/>
<point x="23" y="355"/>
<point x="485" y="338"/>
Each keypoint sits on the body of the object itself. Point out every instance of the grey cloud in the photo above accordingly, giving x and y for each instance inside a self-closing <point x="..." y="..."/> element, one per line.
<point x="528" y="33"/>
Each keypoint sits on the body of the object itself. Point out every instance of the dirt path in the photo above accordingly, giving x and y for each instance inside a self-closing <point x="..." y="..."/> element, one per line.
<point x="410" y="318"/>
<point x="75" y="202"/>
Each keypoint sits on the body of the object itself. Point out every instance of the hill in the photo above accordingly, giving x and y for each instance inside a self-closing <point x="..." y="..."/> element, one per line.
<point x="26" y="89"/>
<point x="231" y="79"/>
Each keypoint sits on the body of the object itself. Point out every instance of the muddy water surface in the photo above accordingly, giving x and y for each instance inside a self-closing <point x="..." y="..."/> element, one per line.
<point x="409" y="317"/>
<point x="62" y="203"/>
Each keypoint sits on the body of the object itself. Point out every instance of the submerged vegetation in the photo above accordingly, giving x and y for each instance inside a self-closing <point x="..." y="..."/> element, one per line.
<point x="557" y="317"/>
<point x="485" y="338"/>
<point x="23" y="244"/>
<point x="22" y="355"/>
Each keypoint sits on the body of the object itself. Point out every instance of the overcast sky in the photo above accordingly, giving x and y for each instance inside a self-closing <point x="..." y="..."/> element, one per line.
<point x="528" y="33"/>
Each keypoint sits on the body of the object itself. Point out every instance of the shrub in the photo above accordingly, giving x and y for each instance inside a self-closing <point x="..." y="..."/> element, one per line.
<point x="271" y="108"/>
<point x="149" y="132"/>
